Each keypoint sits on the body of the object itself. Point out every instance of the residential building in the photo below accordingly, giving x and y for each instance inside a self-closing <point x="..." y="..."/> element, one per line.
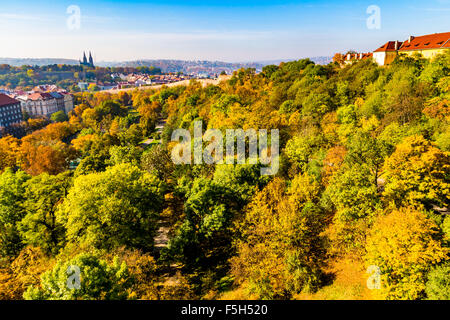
<point x="387" y="53"/>
<point x="68" y="102"/>
<point x="350" y="58"/>
<point x="10" y="114"/>
<point x="39" y="104"/>
<point x="44" y="104"/>
<point x="59" y="100"/>
<point x="428" y="46"/>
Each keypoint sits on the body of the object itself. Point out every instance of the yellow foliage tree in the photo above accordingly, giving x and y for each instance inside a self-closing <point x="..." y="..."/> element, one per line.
<point x="282" y="251"/>
<point x="404" y="245"/>
<point x="8" y="152"/>
<point x="417" y="173"/>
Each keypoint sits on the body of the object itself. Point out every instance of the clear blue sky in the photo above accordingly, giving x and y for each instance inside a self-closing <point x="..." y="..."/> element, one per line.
<point x="226" y="30"/>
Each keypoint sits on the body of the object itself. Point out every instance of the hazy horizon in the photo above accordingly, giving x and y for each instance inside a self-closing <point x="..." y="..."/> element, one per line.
<point x="164" y="59"/>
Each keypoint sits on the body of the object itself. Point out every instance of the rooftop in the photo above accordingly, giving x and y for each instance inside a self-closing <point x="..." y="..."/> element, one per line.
<point x="6" y="100"/>
<point x="431" y="41"/>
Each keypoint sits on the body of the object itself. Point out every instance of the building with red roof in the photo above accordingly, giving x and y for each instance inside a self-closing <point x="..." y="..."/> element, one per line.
<point x="10" y="113"/>
<point x="39" y="104"/>
<point x="350" y="58"/>
<point x="429" y="46"/>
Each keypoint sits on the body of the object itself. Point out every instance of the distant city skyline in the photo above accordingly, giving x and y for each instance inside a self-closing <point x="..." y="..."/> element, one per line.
<point x="209" y="30"/>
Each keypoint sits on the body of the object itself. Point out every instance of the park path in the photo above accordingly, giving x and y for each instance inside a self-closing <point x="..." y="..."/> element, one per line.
<point x="159" y="129"/>
<point x="161" y="239"/>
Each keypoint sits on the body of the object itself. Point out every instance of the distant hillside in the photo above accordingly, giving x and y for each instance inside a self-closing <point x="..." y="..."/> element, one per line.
<point x="18" y="62"/>
<point x="185" y="66"/>
<point x="165" y="64"/>
<point x="205" y="66"/>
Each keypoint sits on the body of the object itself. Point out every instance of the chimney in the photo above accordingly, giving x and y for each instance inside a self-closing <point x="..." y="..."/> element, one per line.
<point x="411" y="38"/>
<point x="349" y="56"/>
<point x="396" y="45"/>
<point x="360" y="56"/>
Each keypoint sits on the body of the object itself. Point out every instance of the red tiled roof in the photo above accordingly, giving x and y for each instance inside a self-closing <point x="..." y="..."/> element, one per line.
<point x="431" y="41"/>
<point x="357" y="56"/>
<point x="6" y="100"/>
<point x="389" y="46"/>
<point x="39" y="96"/>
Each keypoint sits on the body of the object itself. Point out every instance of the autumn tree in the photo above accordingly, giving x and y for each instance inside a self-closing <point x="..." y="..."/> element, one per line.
<point x="417" y="173"/>
<point x="49" y="157"/>
<point x="281" y="252"/>
<point x="24" y="271"/>
<point x="404" y="244"/>
<point x="8" y="152"/>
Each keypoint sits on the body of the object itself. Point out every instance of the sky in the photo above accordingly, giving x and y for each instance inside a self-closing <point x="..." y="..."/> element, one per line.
<point x="226" y="30"/>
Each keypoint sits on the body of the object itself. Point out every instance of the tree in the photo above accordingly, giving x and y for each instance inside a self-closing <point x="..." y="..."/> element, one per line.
<point x="110" y="107"/>
<point x="98" y="280"/>
<point x="127" y="154"/>
<point x="364" y="149"/>
<point x="438" y="284"/>
<point x="12" y="210"/>
<point x="339" y="58"/>
<point x="404" y="244"/>
<point x="417" y="173"/>
<point x="59" y="116"/>
<point x="50" y="157"/>
<point x="40" y="226"/>
<point x="333" y="162"/>
<point x="118" y="207"/>
<point x="281" y="252"/>
<point x="30" y="73"/>
<point x="93" y="87"/>
<point x="8" y="152"/>
<point x="158" y="162"/>
<point x="203" y="240"/>
<point x="353" y="198"/>
<point x="23" y="272"/>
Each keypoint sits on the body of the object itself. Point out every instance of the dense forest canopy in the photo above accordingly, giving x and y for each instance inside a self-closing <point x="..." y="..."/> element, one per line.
<point x="364" y="182"/>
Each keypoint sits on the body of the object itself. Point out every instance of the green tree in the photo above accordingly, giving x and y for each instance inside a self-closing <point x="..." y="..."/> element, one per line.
<point x="59" y="116"/>
<point x="12" y="210"/>
<point x="98" y="280"/>
<point x="118" y="207"/>
<point x="40" y="226"/>
<point x="438" y="284"/>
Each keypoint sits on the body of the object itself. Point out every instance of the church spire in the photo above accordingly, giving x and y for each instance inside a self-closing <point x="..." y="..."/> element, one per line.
<point x="84" y="57"/>
<point x="91" y="61"/>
